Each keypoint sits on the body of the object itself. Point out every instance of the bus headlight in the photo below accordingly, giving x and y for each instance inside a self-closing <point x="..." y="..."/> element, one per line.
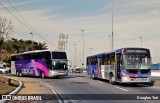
<point x="123" y="74"/>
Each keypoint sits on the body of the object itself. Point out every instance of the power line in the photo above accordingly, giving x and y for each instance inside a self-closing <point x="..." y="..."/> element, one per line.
<point x="29" y="26"/>
<point x="14" y="16"/>
<point x="28" y="23"/>
<point x="38" y="35"/>
<point x="20" y="14"/>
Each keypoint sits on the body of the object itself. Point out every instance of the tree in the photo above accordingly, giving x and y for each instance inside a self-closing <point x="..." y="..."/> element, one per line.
<point x="6" y="27"/>
<point x="13" y="46"/>
<point x="1" y="42"/>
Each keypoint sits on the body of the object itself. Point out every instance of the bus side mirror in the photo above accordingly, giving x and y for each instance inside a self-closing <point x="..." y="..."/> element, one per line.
<point x="53" y="62"/>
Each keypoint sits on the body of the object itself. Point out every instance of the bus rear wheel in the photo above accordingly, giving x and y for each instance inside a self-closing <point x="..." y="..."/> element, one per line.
<point x="43" y="75"/>
<point x="20" y="74"/>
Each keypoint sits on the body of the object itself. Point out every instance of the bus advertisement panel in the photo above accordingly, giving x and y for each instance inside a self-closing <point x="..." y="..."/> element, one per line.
<point x="32" y="67"/>
<point x="40" y="63"/>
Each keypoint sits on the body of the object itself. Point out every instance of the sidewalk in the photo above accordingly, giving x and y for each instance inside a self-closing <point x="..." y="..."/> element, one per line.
<point x="32" y="86"/>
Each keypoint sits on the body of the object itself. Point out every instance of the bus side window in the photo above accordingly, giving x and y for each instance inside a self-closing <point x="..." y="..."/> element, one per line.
<point x="112" y="58"/>
<point x="108" y="59"/>
<point x="103" y="59"/>
<point x="92" y="61"/>
<point x="112" y="62"/>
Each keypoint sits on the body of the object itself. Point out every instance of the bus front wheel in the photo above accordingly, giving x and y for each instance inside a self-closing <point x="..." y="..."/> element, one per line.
<point x="17" y="74"/>
<point x="111" y="79"/>
<point x="93" y="76"/>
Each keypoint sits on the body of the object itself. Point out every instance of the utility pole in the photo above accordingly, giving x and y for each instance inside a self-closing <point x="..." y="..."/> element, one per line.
<point x="110" y="42"/>
<point x="112" y="28"/>
<point x="80" y="60"/>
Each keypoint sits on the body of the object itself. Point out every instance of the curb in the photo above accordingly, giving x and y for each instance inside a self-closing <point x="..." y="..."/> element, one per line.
<point x="15" y="91"/>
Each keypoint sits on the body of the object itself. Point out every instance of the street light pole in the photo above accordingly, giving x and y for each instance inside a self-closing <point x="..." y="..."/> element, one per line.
<point x="141" y="41"/>
<point x="83" y="49"/>
<point x="32" y="36"/>
<point x="80" y="60"/>
<point x="75" y="54"/>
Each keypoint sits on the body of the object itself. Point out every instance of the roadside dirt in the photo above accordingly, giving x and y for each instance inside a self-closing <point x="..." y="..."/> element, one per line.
<point x="32" y="86"/>
<point x="157" y="83"/>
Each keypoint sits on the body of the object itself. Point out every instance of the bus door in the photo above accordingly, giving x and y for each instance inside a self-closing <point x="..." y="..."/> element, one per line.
<point x="49" y="64"/>
<point x="119" y="62"/>
<point x="99" y="67"/>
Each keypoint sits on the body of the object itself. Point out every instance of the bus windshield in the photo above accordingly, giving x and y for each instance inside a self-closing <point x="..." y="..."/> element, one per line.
<point x="59" y="55"/>
<point x="137" y="61"/>
<point x="60" y="65"/>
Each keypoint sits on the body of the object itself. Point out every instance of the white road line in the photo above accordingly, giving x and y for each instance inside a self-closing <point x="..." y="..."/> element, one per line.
<point x="59" y="99"/>
<point x="122" y="88"/>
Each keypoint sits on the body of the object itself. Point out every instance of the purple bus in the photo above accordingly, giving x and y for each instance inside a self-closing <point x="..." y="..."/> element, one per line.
<point x="40" y="63"/>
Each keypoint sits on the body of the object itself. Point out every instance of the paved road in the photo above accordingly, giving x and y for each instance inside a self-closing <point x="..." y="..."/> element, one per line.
<point x="82" y="84"/>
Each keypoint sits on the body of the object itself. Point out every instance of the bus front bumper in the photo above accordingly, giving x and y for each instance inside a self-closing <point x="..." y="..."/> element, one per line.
<point x="135" y="80"/>
<point x="58" y="73"/>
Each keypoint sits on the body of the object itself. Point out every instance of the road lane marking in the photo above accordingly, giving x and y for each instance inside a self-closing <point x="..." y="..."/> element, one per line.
<point x="57" y="95"/>
<point x="122" y="88"/>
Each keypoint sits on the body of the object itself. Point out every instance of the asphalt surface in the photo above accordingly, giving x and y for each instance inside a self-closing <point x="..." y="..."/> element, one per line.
<point x="80" y="85"/>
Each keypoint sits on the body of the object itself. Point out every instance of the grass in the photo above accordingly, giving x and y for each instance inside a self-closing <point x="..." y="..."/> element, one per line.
<point x="5" y="88"/>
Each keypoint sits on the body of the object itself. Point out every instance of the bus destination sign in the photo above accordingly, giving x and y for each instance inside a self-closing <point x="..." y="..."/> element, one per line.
<point x="135" y="51"/>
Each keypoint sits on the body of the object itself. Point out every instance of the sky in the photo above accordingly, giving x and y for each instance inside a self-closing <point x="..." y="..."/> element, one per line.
<point x="132" y="19"/>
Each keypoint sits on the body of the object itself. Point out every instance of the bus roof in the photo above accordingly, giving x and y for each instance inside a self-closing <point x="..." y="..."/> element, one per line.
<point x="37" y="51"/>
<point x="117" y="50"/>
<point x="121" y="49"/>
<point x="100" y="54"/>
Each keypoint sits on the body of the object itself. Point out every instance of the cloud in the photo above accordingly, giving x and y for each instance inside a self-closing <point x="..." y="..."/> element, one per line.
<point x="7" y="4"/>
